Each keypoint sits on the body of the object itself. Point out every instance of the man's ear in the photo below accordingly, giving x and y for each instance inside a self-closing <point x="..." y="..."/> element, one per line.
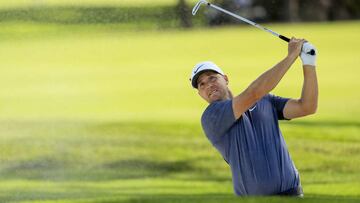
<point x="226" y="79"/>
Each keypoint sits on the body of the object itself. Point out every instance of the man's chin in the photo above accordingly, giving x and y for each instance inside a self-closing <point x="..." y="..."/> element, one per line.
<point x="214" y="99"/>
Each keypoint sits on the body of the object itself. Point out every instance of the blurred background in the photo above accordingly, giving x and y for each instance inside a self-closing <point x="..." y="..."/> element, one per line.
<point x="175" y="13"/>
<point x="96" y="103"/>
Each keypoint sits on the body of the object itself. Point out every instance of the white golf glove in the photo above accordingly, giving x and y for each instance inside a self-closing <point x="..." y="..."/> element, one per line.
<point x="306" y="57"/>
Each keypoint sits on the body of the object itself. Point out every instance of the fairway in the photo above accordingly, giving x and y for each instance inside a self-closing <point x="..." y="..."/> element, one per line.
<point x="95" y="113"/>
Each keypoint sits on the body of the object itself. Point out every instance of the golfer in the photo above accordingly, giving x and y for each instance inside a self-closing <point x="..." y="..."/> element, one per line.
<point x="244" y="128"/>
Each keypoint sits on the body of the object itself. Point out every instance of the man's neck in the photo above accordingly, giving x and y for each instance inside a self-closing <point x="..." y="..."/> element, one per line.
<point x="229" y="94"/>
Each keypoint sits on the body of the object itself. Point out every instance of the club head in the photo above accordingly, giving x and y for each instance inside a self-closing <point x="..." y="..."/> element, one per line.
<point x="197" y="6"/>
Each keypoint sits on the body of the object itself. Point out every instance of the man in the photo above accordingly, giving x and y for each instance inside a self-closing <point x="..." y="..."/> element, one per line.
<point x="245" y="129"/>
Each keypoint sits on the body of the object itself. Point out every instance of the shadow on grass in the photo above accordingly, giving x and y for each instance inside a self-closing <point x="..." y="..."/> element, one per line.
<point x="166" y="167"/>
<point x="175" y="198"/>
<point x="223" y="198"/>
<point x="65" y="164"/>
<point x="54" y="170"/>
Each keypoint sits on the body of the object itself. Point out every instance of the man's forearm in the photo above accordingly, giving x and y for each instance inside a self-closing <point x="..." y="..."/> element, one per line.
<point x="268" y="80"/>
<point x="309" y="94"/>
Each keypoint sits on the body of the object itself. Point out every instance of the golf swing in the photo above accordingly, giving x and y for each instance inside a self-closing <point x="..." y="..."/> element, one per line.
<point x="244" y="127"/>
<point x="201" y="2"/>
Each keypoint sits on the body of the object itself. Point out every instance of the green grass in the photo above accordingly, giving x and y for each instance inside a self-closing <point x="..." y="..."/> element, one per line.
<point x="94" y="113"/>
<point x="135" y="14"/>
<point x="98" y="72"/>
<point x="23" y="3"/>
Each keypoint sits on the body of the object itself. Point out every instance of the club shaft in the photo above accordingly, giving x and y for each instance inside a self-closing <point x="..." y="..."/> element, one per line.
<point x="249" y="22"/>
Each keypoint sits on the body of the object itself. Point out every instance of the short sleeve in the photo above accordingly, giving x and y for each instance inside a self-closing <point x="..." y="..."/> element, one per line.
<point x="218" y="118"/>
<point x="279" y="104"/>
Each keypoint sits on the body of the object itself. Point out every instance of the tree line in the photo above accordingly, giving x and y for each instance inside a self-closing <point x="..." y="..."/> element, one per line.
<point x="274" y="11"/>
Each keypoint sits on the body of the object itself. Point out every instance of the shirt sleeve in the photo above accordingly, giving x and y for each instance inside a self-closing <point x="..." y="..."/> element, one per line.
<point x="279" y="103"/>
<point x="218" y="118"/>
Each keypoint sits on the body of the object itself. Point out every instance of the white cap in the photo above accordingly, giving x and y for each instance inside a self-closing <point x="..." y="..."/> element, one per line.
<point x="202" y="67"/>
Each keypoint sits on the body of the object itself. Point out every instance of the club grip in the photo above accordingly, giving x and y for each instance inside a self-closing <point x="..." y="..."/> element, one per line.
<point x="284" y="38"/>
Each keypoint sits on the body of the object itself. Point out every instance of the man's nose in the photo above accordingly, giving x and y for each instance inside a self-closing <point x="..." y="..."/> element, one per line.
<point x="209" y="85"/>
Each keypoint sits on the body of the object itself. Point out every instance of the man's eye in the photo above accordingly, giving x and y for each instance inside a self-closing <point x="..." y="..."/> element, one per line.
<point x="213" y="78"/>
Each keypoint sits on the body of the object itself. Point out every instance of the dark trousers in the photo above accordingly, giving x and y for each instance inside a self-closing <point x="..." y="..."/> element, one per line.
<point x="298" y="192"/>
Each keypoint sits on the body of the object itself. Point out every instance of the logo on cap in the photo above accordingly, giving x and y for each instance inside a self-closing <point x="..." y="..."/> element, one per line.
<point x="196" y="70"/>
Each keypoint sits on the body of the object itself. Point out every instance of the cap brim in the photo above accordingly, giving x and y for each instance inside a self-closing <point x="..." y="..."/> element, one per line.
<point x="197" y="75"/>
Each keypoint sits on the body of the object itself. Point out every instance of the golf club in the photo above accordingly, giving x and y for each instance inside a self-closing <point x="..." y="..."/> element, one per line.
<point x="198" y="4"/>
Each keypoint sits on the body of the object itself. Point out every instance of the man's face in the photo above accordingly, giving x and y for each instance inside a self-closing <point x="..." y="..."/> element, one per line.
<point x="212" y="86"/>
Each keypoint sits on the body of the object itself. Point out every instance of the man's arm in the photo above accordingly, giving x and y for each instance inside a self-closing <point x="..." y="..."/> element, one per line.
<point x="267" y="81"/>
<point x="307" y="104"/>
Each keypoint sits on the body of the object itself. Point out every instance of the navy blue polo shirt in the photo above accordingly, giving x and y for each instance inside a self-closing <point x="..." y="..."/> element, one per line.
<point x="252" y="145"/>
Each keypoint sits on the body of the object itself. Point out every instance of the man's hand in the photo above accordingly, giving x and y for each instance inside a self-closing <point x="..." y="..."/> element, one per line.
<point x="306" y="57"/>
<point x="294" y="47"/>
